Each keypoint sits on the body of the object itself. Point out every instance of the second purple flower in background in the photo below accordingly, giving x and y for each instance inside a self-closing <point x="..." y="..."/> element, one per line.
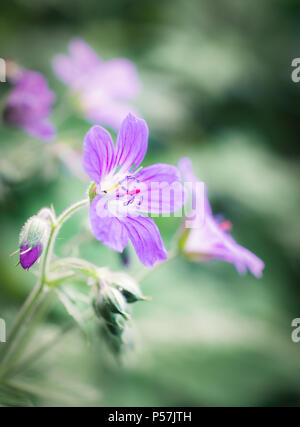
<point x="103" y="89"/>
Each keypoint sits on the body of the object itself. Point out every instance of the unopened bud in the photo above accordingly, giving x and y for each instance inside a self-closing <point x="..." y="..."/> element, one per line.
<point x="33" y="236"/>
<point x="128" y="287"/>
<point x="116" y="327"/>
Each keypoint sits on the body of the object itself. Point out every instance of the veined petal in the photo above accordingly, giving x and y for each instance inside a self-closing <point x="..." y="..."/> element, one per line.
<point x="146" y="239"/>
<point x="106" y="227"/>
<point x="98" y="153"/>
<point x="161" y="189"/>
<point x="132" y="143"/>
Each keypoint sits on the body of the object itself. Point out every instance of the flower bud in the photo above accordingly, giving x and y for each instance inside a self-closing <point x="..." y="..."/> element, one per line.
<point x="116" y="327"/>
<point x="92" y="191"/>
<point x="128" y="287"/>
<point x="32" y="239"/>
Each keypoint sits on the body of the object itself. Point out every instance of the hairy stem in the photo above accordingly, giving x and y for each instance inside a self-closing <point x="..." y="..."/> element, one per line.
<point x="32" y="300"/>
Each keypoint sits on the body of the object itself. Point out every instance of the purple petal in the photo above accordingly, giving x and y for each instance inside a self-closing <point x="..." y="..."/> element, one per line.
<point x="209" y="242"/>
<point x="120" y="78"/>
<point x="161" y="189"/>
<point x="74" y="67"/>
<point x="29" y="105"/>
<point x="83" y="55"/>
<point x="132" y="143"/>
<point x="190" y="182"/>
<point x="43" y="130"/>
<point x="109" y="113"/>
<point x="106" y="228"/>
<point x="27" y="259"/>
<point x="146" y="239"/>
<point x="98" y="153"/>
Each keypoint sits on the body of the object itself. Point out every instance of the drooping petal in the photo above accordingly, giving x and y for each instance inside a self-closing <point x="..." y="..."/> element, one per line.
<point x="83" y="55"/>
<point x="190" y="182"/>
<point x="161" y="189"/>
<point x="107" y="228"/>
<point x="98" y="153"/>
<point x="253" y="263"/>
<point x="132" y="143"/>
<point x="107" y="111"/>
<point x="146" y="239"/>
<point x="29" y="105"/>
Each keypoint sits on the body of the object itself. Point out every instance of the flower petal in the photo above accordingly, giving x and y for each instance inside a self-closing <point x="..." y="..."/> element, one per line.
<point x="83" y="55"/>
<point x="29" y="257"/>
<point x="161" y="189"/>
<point x="210" y="242"/>
<point x="120" y="78"/>
<point x="132" y="143"/>
<point x="107" y="228"/>
<point x="146" y="239"/>
<point x="98" y="153"/>
<point x="74" y="67"/>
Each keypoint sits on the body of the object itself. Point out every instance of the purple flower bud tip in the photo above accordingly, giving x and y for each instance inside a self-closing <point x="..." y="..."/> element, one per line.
<point x="104" y="89"/>
<point x="29" y="256"/>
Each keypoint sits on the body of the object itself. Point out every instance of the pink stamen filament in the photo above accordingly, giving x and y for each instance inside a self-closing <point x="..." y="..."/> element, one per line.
<point x="225" y="225"/>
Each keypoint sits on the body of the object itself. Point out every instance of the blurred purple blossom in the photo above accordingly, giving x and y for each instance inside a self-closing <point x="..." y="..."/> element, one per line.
<point x="209" y="239"/>
<point x="28" y="106"/>
<point x="103" y="89"/>
<point x="123" y="190"/>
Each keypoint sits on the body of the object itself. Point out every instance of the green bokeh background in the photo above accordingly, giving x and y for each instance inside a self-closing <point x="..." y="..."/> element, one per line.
<point x="217" y="87"/>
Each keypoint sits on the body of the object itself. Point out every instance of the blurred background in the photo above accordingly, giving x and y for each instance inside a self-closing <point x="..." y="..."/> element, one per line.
<point x="216" y="86"/>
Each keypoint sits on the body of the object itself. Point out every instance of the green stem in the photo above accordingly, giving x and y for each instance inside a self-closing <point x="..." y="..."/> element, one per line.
<point x="23" y="314"/>
<point x="33" y="298"/>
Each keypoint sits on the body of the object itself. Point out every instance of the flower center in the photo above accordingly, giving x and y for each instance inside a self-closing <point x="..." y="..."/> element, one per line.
<point x="122" y="191"/>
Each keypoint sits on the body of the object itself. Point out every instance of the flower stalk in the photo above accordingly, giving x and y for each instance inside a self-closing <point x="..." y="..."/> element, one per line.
<point x="33" y="299"/>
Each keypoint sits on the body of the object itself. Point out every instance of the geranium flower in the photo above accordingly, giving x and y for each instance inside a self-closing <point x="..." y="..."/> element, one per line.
<point x="28" y="256"/>
<point x="29" y="105"/>
<point x="102" y="88"/>
<point x="122" y="190"/>
<point x="208" y="239"/>
<point x="33" y="237"/>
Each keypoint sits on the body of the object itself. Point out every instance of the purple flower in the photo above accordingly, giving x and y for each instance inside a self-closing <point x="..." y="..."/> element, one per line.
<point x="103" y="89"/>
<point x="29" y="256"/>
<point x="29" y="105"/>
<point x="123" y="190"/>
<point x="208" y="238"/>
